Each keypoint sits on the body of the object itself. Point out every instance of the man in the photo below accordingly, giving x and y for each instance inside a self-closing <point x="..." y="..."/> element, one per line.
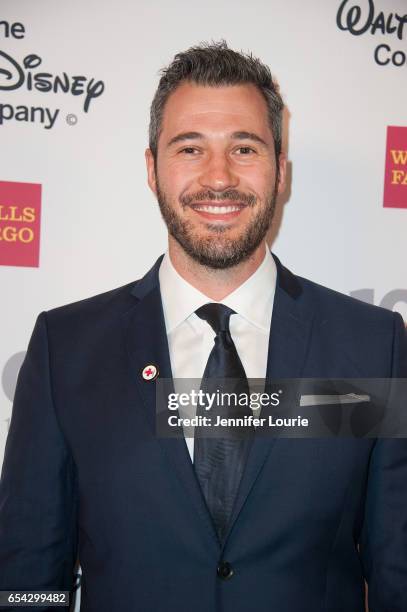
<point x="277" y="524"/>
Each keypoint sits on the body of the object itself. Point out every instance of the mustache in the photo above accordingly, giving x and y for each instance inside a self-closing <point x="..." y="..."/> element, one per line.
<point x="229" y="194"/>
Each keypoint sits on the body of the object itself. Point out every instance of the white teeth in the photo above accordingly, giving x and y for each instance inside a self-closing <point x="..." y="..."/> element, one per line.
<point x="216" y="210"/>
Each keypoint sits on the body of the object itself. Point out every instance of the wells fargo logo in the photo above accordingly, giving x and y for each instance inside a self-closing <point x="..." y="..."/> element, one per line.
<point x="395" y="181"/>
<point x="20" y="218"/>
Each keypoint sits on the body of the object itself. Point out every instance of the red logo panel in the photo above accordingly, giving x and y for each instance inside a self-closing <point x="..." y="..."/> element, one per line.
<point x="20" y="222"/>
<point x="395" y="179"/>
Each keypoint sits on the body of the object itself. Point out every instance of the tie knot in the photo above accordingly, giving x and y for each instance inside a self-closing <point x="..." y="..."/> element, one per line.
<point x="217" y="315"/>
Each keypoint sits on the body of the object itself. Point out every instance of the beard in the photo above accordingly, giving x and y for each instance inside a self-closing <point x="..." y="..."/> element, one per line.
<point x="218" y="250"/>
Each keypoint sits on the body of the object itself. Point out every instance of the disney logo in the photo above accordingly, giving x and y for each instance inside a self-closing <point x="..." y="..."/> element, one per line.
<point x="13" y="76"/>
<point x="357" y="21"/>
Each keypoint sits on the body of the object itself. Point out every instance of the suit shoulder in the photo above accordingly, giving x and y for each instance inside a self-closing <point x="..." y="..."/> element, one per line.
<point x="328" y="302"/>
<point x="115" y="300"/>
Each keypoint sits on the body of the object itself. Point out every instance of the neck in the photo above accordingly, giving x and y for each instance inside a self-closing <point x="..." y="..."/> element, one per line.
<point x="215" y="284"/>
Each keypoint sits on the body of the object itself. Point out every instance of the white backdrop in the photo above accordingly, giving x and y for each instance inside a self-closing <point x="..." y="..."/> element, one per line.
<point x="100" y="225"/>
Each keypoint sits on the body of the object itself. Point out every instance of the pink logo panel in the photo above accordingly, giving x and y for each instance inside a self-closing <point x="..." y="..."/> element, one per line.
<point x="20" y="222"/>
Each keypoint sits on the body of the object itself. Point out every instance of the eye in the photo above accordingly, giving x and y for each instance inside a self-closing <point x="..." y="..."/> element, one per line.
<point x="189" y="150"/>
<point x="245" y="150"/>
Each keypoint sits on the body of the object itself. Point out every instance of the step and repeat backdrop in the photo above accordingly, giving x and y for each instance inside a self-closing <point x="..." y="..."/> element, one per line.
<point x="76" y="81"/>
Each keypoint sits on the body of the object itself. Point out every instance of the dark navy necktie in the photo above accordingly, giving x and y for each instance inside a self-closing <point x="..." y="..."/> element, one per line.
<point x="219" y="461"/>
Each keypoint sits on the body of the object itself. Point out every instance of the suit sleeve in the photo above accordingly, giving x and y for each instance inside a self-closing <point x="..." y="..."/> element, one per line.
<point x="383" y="542"/>
<point x="38" y="492"/>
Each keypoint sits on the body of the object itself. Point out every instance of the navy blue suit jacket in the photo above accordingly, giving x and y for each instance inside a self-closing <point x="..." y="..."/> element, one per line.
<point x="84" y="473"/>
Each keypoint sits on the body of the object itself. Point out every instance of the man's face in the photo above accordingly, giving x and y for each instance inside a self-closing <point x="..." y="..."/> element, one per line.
<point x="216" y="177"/>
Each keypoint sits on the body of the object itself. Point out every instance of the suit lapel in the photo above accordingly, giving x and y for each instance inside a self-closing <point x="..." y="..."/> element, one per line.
<point x="290" y="335"/>
<point x="146" y="341"/>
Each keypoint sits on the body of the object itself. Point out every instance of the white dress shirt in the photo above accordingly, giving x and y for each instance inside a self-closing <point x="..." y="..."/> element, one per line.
<point x="191" y="339"/>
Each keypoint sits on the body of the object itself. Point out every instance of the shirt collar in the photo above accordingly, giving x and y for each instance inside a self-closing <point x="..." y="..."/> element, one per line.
<point x="252" y="300"/>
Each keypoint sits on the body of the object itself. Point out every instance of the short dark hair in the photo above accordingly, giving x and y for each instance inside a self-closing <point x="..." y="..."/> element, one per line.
<point x="215" y="64"/>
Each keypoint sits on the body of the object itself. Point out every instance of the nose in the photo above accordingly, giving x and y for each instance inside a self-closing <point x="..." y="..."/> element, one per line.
<point x="217" y="174"/>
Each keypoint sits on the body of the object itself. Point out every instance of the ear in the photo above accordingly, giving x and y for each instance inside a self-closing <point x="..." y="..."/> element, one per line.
<point x="151" y="178"/>
<point x="282" y="165"/>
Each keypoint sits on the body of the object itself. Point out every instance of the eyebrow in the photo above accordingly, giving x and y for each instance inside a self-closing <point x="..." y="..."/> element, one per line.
<point x="249" y="136"/>
<point x="185" y="136"/>
<point x="198" y="136"/>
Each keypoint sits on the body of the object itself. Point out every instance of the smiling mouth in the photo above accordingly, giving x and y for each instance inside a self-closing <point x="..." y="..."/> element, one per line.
<point x="218" y="210"/>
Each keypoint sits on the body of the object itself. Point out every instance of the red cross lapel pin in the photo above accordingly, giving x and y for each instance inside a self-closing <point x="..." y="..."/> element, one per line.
<point x="150" y="372"/>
